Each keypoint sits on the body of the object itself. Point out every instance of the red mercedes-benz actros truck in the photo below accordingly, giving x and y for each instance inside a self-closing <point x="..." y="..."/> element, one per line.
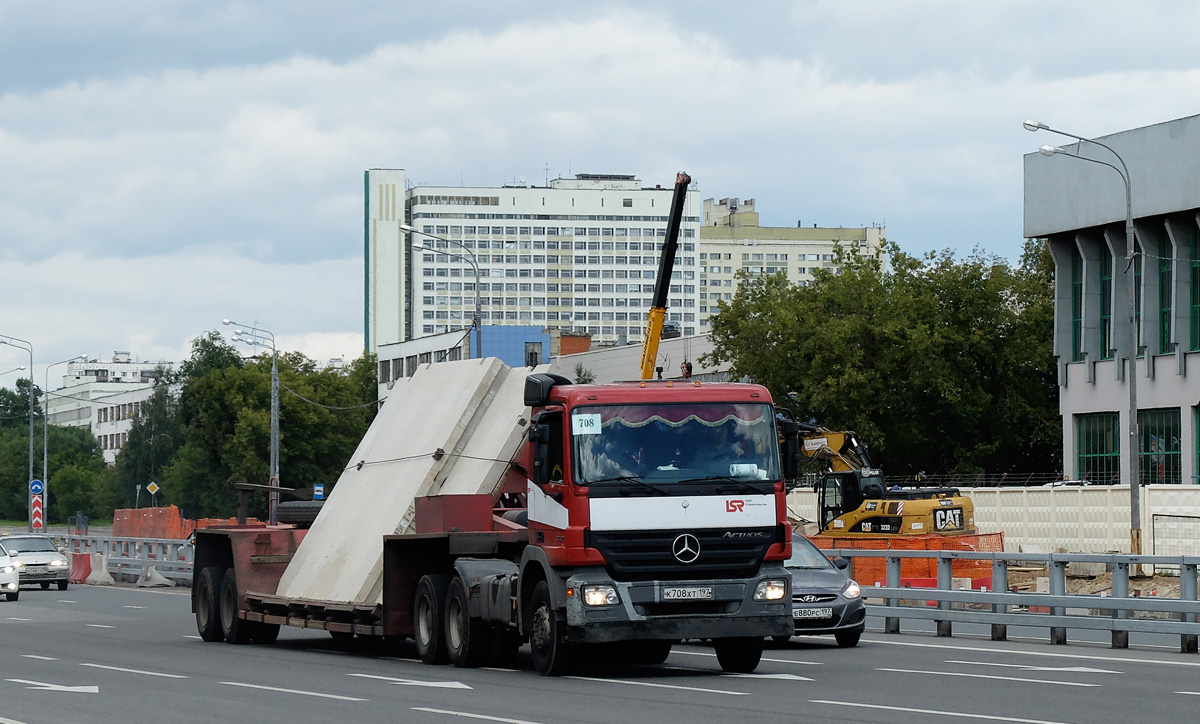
<point x="633" y="515"/>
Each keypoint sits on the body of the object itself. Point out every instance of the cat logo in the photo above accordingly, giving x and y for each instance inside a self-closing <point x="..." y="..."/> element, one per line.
<point x="866" y="527"/>
<point x="948" y="519"/>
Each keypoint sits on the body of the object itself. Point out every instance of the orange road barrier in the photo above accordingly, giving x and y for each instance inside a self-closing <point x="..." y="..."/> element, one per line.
<point x="868" y="571"/>
<point x="81" y="567"/>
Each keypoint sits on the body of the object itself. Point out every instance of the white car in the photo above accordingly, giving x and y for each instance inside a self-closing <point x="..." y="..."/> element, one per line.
<point x="9" y="577"/>
<point x="40" y="561"/>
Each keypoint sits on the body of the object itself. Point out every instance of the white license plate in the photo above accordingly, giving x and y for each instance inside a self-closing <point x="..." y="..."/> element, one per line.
<point x="685" y="594"/>
<point x="35" y="569"/>
<point x="812" y="613"/>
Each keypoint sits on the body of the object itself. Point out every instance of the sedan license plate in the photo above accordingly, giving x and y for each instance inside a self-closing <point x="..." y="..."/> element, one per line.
<point x="687" y="594"/>
<point x="812" y="613"/>
<point x="35" y="569"/>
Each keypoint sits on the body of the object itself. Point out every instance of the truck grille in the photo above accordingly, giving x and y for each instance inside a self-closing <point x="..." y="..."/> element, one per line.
<point x="647" y="554"/>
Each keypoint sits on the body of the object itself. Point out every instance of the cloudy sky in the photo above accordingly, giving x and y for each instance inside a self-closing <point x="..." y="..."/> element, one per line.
<point x="166" y="165"/>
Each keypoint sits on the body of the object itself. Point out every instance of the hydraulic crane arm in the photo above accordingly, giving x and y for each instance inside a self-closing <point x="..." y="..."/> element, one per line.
<point x="662" y="283"/>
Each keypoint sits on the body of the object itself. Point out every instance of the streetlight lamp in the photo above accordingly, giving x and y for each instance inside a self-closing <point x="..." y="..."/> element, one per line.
<point x="28" y="347"/>
<point x="46" y="419"/>
<point x="14" y="369"/>
<point x="477" y="323"/>
<point x="258" y="337"/>
<point x="1135" y="493"/>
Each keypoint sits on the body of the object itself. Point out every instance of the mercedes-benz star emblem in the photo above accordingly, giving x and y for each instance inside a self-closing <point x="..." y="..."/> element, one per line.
<point x="686" y="548"/>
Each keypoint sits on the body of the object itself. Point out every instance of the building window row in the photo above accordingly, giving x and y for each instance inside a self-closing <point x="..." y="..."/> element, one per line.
<point x="113" y="413"/>
<point x="115" y="441"/>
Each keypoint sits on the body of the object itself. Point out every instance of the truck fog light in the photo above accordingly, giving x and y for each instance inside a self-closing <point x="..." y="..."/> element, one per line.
<point x="600" y="596"/>
<point x="852" y="590"/>
<point x="770" y="590"/>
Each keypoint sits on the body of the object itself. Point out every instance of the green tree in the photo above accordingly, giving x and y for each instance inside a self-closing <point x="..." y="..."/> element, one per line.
<point x="939" y="364"/>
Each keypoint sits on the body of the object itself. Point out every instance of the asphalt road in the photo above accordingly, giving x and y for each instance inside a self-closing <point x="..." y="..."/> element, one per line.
<point x="122" y="655"/>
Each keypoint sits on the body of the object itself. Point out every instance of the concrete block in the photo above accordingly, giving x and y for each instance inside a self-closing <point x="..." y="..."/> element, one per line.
<point x="470" y="407"/>
<point x="151" y="578"/>
<point x="1079" y="569"/>
<point x="99" y="575"/>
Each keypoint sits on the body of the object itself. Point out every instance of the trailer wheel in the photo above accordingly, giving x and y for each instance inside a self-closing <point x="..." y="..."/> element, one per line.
<point x="428" y="605"/>
<point x="739" y="655"/>
<point x="468" y="640"/>
<point x="208" y="617"/>
<point x="553" y="655"/>
<point x="237" y="630"/>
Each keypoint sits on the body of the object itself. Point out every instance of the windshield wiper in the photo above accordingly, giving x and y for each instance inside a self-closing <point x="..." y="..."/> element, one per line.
<point x="743" y="485"/>
<point x="632" y="479"/>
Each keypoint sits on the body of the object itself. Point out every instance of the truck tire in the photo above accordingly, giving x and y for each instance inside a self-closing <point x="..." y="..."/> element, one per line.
<point x="739" y="655"/>
<point x="300" y="513"/>
<point x="468" y="640"/>
<point x="553" y="655"/>
<point x="205" y="601"/>
<point x="428" y="605"/>
<point x="236" y="630"/>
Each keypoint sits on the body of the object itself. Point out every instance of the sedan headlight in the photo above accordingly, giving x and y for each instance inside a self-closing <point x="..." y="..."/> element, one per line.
<point x="58" y="563"/>
<point x="8" y="569"/>
<point x="770" y="590"/>
<point x="852" y="590"/>
<point x="600" y="596"/>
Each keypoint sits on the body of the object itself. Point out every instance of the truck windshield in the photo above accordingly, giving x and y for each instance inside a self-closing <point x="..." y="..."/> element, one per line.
<point x="674" y="443"/>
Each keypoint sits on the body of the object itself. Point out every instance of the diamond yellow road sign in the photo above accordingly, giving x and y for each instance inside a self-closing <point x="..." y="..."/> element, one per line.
<point x="152" y="488"/>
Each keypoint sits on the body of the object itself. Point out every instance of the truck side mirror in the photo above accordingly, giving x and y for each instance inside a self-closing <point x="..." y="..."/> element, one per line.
<point x="539" y="437"/>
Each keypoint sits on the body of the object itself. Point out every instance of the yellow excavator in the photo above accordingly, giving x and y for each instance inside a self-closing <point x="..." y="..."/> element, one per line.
<point x="854" y="501"/>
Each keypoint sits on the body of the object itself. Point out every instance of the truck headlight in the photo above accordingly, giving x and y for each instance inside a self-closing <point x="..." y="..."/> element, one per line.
<point x="770" y="590"/>
<point x="58" y="563"/>
<point x="600" y="596"/>
<point x="852" y="590"/>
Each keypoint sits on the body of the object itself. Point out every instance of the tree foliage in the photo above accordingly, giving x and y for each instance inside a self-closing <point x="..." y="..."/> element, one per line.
<point x="939" y="364"/>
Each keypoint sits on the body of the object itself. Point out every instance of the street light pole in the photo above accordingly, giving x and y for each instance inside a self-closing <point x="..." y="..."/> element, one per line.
<point x="5" y="339"/>
<point x="46" y="420"/>
<point x="1135" y="483"/>
<point x="477" y="323"/>
<point x="259" y="337"/>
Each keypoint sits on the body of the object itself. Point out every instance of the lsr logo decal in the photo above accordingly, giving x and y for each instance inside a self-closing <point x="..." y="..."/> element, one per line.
<point x="734" y="506"/>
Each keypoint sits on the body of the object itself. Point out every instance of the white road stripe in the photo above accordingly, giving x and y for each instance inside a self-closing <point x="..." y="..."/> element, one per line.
<point x="141" y="607"/>
<point x="469" y="715"/>
<point x="1046" y="654"/>
<point x="14" y="618"/>
<point x="39" y="658"/>
<point x="497" y="668"/>
<point x="135" y="671"/>
<point x="773" y="661"/>
<point x="414" y="682"/>
<point x="10" y="721"/>
<point x="98" y="625"/>
<point x="1189" y="693"/>
<point x="958" y="714"/>
<point x="987" y="676"/>
<point x="62" y="601"/>
<point x="291" y="691"/>
<point x="1032" y="667"/>
<point x="659" y="686"/>
<point x="194" y="637"/>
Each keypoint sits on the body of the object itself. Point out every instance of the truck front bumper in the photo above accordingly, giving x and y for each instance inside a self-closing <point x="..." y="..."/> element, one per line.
<point x="667" y="609"/>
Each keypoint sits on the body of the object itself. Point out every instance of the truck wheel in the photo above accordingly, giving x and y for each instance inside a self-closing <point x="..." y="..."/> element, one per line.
<point x="208" y="617"/>
<point x="553" y="655"/>
<point x="237" y="630"/>
<point x="848" y="639"/>
<point x="467" y="639"/>
<point x="264" y="633"/>
<point x="739" y="655"/>
<point x="428" y="605"/>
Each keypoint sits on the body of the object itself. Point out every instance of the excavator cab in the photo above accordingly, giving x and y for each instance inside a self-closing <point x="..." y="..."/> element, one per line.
<point x="839" y="493"/>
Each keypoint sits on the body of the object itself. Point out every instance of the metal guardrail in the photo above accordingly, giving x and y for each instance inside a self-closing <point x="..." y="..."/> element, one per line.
<point x="1002" y="608"/>
<point x="128" y="557"/>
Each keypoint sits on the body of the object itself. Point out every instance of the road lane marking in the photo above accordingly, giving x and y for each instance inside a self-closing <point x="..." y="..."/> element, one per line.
<point x="774" y="661"/>
<point x="14" y="618"/>
<point x="98" y="625"/>
<point x="959" y="714"/>
<point x="986" y="676"/>
<point x="292" y="691"/>
<point x="1031" y="667"/>
<point x="469" y="715"/>
<point x="43" y="686"/>
<point x="141" y="607"/>
<point x="414" y="682"/>
<point x="1189" y="693"/>
<point x="39" y="658"/>
<point x="1017" y="652"/>
<point x="497" y="668"/>
<point x="659" y="686"/>
<point x="194" y="637"/>
<point x="10" y="721"/>
<point x="136" y="671"/>
<point x="64" y="601"/>
<point x="781" y="677"/>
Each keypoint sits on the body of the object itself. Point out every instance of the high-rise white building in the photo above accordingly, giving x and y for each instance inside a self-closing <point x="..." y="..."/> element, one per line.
<point x="578" y="254"/>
